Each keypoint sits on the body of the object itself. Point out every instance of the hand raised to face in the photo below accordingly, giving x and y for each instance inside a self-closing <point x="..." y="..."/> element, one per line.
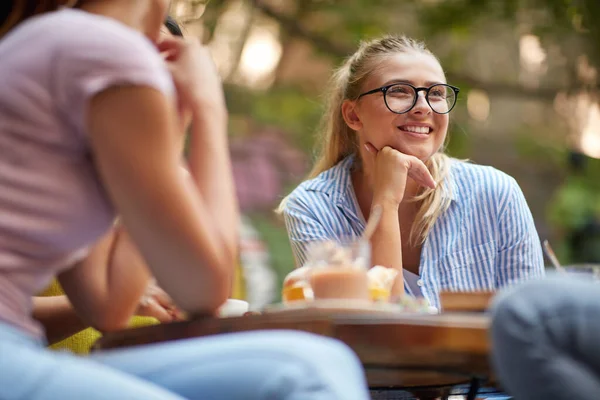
<point x="194" y="73"/>
<point x="389" y="170"/>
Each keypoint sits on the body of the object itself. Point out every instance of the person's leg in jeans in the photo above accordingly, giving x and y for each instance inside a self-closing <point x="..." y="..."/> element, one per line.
<point x="28" y="371"/>
<point x="546" y="340"/>
<point x="248" y="366"/>
<point x="260" y="365"/>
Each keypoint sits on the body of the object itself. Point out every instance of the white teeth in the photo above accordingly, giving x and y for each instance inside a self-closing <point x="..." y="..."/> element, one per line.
<point x="416" y="129"/>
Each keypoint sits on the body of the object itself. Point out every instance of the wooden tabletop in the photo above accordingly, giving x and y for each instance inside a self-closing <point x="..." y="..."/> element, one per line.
<point x="397" y="349"/>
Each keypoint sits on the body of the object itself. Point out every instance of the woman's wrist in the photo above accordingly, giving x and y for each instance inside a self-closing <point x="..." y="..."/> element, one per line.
<point x="387" y="203"/>
<point x="208" y="125"/>
<point x="203" y="110"/>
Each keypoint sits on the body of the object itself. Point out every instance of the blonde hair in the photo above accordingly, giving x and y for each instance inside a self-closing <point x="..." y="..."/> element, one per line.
<point x="337" y="140"/>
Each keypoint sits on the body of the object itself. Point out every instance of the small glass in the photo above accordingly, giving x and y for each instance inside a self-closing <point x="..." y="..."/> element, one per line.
<point x="296" y="286"/>
<point x="381" y="281"/>
<point x="339" y="270"/>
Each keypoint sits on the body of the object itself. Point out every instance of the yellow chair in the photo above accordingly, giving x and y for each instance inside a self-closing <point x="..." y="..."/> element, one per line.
<point x="81" y="342"/>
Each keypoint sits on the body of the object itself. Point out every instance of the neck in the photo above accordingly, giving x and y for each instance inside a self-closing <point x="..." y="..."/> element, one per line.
<point x="129" y="13"/>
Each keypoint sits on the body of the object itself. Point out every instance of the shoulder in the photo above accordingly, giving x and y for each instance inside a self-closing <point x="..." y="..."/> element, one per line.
<point x="324" y="190"/>
<point x="93" y="53"/>
<point x="305" y="198"/>
<point x="474" y="180"/>
<point x="68" y="28"/>
<point x="74" y="40"/>
<point x="68" y="45"/>
<point x="97" y="29"/>
<point x="89" y="35"/>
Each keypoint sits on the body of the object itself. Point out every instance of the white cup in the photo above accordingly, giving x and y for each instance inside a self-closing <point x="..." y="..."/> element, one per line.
<point x="233" y="308"/>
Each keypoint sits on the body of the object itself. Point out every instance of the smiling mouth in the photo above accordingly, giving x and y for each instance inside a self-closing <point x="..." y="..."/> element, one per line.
<point x="419" y="130"/>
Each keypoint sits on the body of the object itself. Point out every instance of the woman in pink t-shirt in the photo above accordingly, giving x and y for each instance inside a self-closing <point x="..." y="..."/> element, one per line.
<point x="88" y="129"/>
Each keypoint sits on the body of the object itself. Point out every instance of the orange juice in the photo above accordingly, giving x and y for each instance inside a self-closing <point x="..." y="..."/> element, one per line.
<point x="339" y="283"/>
<point x="293" y="293"/>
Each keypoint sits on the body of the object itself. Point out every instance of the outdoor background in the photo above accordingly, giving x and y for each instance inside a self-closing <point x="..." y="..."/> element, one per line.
<point x="528" y="104"/>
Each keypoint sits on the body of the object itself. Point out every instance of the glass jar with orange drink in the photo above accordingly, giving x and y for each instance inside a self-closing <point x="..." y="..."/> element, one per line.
<point x="339" y="270"/>
<point x="296" y="286"/>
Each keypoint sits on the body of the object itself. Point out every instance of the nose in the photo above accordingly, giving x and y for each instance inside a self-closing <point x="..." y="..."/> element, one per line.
<point x="421" y="106"/>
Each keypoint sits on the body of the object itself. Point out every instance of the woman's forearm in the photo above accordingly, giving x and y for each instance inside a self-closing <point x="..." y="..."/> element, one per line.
<point x="166" y="214"/>
<point x="127" y="276"/>
<point x="211" y="170"/>
<point x="106" y="286"/>
<point x="58" y="317"/>
<point x="386" y="244"/>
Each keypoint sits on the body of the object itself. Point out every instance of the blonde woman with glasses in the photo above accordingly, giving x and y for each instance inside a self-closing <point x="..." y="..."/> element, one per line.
<point x="446" y="224"/>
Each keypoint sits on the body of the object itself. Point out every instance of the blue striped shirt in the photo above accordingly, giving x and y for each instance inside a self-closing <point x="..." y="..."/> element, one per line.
<point x="485" y="240"/>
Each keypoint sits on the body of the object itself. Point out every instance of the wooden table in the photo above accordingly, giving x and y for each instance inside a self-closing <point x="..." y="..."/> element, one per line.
<point x="398" y="350"/>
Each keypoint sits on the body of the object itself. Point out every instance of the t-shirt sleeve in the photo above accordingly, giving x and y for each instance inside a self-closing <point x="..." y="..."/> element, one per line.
<point x="100" y="58"/>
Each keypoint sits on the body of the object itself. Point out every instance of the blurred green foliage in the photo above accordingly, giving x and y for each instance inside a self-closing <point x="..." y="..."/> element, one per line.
<point x="280" y="251"/>
<point x="575" y="211"/>
<point x="287" y="108"/>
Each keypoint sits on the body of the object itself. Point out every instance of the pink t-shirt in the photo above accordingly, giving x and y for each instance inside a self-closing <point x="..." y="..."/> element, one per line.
<point x="52" y="204"/>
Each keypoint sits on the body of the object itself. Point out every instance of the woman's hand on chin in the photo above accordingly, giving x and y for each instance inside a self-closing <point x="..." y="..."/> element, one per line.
<point x="390" y="169"/>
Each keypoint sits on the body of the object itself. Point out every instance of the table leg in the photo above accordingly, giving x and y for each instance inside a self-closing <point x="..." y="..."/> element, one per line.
<point x="474" y="388"/>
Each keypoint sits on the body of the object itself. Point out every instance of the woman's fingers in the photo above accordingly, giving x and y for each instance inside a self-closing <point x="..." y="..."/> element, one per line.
<point x="158" y="302"/>
<point x="415" y="168"/>
<point x="389" y="169"/>
<point x="160" y="296"/>
<point x="418" y="171"/>
<point x="151" y="308"/>
<point x="168" y="44"/>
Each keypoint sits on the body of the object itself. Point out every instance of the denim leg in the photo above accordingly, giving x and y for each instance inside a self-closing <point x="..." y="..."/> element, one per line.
<point x="28" y="371"/>
<point x="545" y="340"/>
<point x="260" y="365"/>
<point x="271" y="365"/>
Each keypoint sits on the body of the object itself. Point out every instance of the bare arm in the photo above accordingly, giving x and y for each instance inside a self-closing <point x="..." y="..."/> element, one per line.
<point x="105" y="287"/>
<point x="58" y="317"/>
<point x="206" y="156"/>
<point x="135" y="140"/>
<point x="390" y="169"/>
<point x="135" y="143"/>
<point x="386" y="243"/>
<point x="209" y="160"/>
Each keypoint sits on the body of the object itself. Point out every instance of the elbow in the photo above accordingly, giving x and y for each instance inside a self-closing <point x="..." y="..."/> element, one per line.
<point x="224" y="272"/>
<point x="220" y="295"/>
<point x="222" y="281"/>
<point x="111" y="321"/>
<point x="217" y="279"/>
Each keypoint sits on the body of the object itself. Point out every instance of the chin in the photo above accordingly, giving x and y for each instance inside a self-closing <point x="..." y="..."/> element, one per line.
<point x="420" y="152"/>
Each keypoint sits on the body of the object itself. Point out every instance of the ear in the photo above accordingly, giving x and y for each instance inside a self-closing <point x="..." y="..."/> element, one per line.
<point x="350" y="114"/>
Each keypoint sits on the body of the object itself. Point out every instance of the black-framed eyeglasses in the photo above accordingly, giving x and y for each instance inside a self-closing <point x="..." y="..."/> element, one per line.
<point x="400" y="98"/>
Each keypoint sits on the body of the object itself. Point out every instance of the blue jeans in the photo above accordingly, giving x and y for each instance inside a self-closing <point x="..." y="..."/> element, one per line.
<point x="250" y="366"/>
<point x="546" y="342"/>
